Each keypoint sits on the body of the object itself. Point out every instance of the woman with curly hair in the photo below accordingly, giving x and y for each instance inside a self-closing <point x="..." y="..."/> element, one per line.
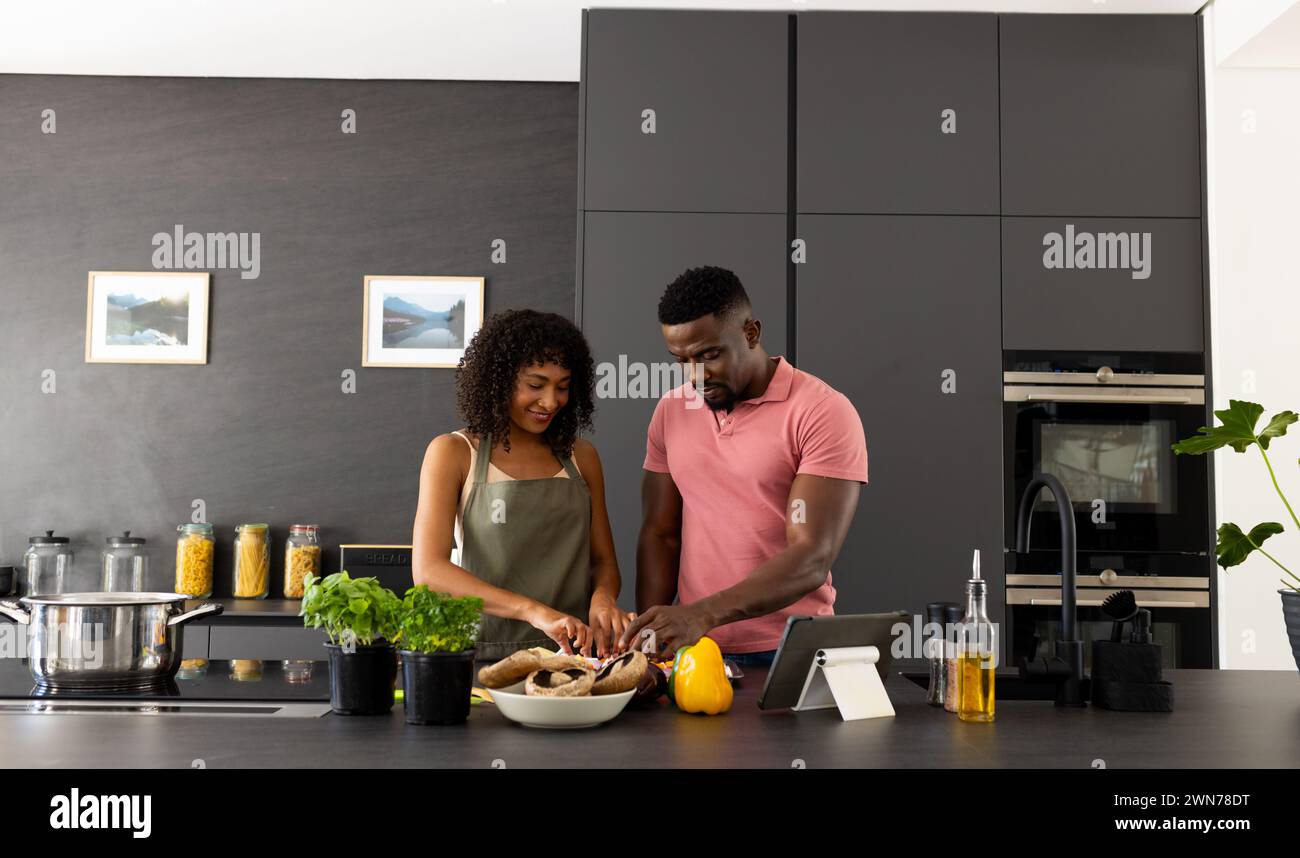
<point x="522" y="495"/>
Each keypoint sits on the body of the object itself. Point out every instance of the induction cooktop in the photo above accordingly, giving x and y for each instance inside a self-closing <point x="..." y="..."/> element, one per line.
<point x="238" y="687"/>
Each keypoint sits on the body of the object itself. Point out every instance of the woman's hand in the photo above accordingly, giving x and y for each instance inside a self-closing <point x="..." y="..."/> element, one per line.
<point x="608" y="621"/>
<point x="562" y="628"/>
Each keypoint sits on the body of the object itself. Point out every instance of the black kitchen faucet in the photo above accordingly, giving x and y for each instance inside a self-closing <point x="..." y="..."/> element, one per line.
<point x="1066" y="667"/>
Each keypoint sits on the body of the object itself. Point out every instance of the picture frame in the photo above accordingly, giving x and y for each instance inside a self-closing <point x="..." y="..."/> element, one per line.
<point x="419" y="321"/>
<point x="147" y="317"/>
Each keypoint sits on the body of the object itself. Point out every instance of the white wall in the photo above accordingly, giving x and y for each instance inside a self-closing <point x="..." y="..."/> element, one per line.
<point x="415" y="39"/>
<point x="1254" y="171"/>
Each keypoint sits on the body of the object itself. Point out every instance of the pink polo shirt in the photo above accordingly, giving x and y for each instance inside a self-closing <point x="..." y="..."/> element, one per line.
<point x="734" y="471"/>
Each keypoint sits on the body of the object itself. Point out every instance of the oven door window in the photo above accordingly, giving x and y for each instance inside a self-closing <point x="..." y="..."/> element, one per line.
<point x="1130" y="492"/>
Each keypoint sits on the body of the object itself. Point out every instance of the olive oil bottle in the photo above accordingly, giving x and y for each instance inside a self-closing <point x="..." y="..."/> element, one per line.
<point x="977" y="653"/>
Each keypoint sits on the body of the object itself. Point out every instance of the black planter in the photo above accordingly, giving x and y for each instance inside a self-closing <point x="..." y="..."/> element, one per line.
<point x="437" y="686"/>
<point x="1291" y="613"/>
<point x="362" y="682"/>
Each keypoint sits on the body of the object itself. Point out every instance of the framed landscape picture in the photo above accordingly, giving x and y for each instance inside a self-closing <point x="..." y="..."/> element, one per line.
<point x="419" y="321"/>
<point x="147" y="317"/>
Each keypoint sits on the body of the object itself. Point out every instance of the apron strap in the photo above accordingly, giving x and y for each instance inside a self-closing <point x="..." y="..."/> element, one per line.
<point x="571" y="470"/>
<point x="482" y="457"/>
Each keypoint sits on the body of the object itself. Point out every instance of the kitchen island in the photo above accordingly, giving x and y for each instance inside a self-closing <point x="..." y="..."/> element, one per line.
<point x="1222" y="719"/>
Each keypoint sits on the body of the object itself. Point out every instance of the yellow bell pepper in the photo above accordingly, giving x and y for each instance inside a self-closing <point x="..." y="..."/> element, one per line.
<point x="699" y="679"/>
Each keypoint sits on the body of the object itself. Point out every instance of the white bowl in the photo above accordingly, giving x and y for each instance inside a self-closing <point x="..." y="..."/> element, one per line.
<point x="558" y="713"/>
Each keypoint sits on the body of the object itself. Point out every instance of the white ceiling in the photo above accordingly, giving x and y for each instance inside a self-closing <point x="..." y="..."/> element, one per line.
<point x="418" y="39"/>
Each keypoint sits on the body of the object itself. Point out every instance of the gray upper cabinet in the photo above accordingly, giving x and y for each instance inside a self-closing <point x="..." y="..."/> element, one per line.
<point x="897" y="113"/>
<point x="628" y="260"/>
<point x="1124" y="284"/>
<point x="1100" y="115"/>
<point x="714" y="85"/>
<point x="901" y="315"/>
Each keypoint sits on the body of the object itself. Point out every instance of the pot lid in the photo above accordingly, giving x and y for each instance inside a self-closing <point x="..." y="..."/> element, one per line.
<point x="48" y="539"/>
<point x="107" y="600"/>
<point x="125" y="539"/>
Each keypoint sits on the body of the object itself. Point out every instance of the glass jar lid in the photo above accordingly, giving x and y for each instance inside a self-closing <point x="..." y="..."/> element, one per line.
<point x="243" y="527"/>
<point x="201" y="529"/>
<point x="49" y="539"/>
<point x="303" y="528"/>
<point x="125" y="539"/>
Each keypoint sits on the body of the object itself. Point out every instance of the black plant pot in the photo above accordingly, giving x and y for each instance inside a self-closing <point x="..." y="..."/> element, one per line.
<point x="362" y="682"/>
<point x="437" y="686"/>
<point x="1291" y="612"/>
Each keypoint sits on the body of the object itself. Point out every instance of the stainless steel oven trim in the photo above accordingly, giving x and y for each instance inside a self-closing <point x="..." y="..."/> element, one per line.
<point x="1034" y="597"/>
<point x="1122" y="582"/>
<point x="1104" y="394"/>
<point x="1119" y="379"/>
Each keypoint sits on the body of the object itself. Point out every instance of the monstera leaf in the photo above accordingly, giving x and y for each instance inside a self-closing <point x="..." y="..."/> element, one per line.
<point x="1238" y="429"/>
<point x="1234" y="546"/>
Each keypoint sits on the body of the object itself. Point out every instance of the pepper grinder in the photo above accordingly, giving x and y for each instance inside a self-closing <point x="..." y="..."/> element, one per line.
<point x="933" y="649"/>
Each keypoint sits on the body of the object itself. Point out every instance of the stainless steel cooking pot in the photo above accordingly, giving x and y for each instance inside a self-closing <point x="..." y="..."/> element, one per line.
<point x="104" y="640"/>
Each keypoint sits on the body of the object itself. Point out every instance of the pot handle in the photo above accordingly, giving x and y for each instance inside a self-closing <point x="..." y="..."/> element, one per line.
<point x="204" y="610"/>
<point x="15" y="612"/>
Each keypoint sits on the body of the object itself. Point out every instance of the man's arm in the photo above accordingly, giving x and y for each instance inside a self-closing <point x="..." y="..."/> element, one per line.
<point x="819" y="511"/>
<point x="818" y="514"/>
<point x="659" y="547"/>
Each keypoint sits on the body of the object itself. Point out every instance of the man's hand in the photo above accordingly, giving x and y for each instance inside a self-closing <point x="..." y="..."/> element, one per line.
<point x="675" y="626"/>
<point x="608" y="622"/>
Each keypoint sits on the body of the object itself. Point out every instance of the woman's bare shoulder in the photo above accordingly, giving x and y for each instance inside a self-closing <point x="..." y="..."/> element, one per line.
<point x="584" y="452"/>
<point x="449" y="448"/>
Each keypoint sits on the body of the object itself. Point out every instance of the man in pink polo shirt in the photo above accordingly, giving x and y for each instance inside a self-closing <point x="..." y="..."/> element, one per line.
<point x="745" y="503"/>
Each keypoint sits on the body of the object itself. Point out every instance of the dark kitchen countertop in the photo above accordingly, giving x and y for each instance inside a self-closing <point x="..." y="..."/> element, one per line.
<point x="1223" y="719"/>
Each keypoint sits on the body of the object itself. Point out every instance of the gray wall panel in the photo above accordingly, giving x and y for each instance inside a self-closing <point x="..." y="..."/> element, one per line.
<point x="263" y="431"/>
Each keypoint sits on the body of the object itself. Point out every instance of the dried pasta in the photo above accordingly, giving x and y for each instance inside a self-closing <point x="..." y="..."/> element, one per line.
<point x="252" y="563"/>
<point x="299" y="560"/>
<point x="194" y="565"/>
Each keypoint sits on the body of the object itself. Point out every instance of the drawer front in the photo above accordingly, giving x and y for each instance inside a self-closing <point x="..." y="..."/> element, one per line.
<point x="228" y="642"/>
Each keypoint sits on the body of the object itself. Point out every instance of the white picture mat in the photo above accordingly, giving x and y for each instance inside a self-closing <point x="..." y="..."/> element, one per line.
<point x="101" y="284"/>
<point x="378" y="287"/>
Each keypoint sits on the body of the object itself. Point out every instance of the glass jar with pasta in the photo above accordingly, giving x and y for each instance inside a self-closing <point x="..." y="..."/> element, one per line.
<point x="252" y="561"/>
<point x="194" y="550"/>
<point x="301" y="558"/>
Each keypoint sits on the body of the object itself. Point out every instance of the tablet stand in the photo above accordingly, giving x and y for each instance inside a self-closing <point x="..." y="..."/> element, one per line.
<point x="846" y="677"/>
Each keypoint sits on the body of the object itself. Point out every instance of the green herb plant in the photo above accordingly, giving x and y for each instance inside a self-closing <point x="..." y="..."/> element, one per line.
<point x="1238" y="432"/>
<point x="357" y="610"/>
<point x="436" y="622"/>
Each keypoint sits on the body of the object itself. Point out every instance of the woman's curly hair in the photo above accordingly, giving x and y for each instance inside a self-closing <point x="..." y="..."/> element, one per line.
<point x="507" y="342"/>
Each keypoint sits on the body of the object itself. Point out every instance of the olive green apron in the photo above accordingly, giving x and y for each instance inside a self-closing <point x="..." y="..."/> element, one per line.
<point x="531" y="537"/>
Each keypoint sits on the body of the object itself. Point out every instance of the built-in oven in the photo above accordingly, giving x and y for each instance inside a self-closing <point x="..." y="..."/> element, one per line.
<point x="1104" y="425"/>
<point x="1105" y="430"/>
<point x="1179" y="606"/>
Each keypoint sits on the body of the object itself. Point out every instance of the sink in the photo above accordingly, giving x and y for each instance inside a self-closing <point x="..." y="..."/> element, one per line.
<point x="1007" y="686"/>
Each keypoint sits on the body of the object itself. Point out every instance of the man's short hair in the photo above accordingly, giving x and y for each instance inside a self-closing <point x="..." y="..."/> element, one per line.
<point x="697" y="292"/>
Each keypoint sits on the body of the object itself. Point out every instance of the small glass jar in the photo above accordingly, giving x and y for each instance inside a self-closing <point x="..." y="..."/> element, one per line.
<point x="246" y="670"/>
<point x="47" y="565"/>
<point x="301" y="558"/>
<point x="194" y="550"/>
<point x="252" y="561"/>
<point x="126" y="565"/>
